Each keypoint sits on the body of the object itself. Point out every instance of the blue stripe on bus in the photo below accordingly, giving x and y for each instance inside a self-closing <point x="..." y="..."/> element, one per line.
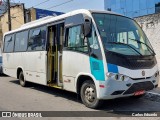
<point x="97" y="69"/>
<point x="112" y="68"/>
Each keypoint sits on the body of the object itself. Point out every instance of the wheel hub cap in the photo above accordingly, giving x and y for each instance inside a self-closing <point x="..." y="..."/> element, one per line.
<point x="90" y="94"/>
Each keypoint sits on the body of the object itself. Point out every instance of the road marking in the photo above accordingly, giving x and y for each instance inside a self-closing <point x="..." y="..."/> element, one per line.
<point x="153" y="93"/>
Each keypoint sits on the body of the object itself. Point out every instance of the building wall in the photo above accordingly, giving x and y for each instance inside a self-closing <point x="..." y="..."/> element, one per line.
<point x="17" y="18"/>
<point x="33" y="14"/>
<point x="151" y="26"/>
<point x="40" y="13"/>
<point x="3" y="6"/>
<point x="133" y="8"/>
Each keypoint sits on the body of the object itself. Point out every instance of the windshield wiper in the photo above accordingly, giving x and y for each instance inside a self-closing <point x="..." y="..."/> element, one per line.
<point x="144" y="44"/>
<point x="127" y="45"/>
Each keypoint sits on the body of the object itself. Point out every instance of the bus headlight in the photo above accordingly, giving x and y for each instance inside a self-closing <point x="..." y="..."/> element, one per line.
<point x="122" y="77"/>
<point x="156" y="74"/>
<point x="117" y="77"/>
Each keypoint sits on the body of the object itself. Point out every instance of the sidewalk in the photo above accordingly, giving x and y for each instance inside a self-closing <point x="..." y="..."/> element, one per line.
<point x="157" y="90"/>
<point x="154" y="95"/>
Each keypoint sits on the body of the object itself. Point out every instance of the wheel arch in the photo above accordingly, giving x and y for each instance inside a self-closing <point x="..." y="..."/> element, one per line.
<point x="81" y="78"/>
<point x="19" y="69"/>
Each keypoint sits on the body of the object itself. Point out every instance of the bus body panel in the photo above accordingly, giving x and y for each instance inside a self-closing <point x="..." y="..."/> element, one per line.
<point x="10" y="71"/>
<point x="36" y="74"/>
<point x="30" y="71"/>
<point x="73" y="64"/>
<point x="9" y="67"/>
<point x="88" y="75"/>
<point x="137" y="73"/>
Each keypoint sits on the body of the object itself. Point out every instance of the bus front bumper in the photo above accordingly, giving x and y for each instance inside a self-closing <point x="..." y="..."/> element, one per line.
<point x="116" y="89"/>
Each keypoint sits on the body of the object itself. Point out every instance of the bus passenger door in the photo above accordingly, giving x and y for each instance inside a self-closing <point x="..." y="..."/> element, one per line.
<point x="60" y="37"/>
<point x="55" y="36"/>
<point x="51" y="55"/>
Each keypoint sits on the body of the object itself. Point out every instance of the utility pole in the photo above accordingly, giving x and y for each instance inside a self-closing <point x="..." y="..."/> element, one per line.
<point x="9" y="16"/>
<point x="24" y="12"/>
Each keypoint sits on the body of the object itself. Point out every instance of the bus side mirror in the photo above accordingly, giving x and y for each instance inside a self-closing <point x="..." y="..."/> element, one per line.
<point x="87" y="28"/>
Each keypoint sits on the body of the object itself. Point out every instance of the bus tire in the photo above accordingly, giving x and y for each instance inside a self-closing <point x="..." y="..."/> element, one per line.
<point x="22" y="80"/>
<point x="89" y="95"/>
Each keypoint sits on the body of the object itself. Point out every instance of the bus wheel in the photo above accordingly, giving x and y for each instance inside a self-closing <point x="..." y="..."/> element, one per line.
<point x="89" y="95"/>
<point x="22" y="80"/>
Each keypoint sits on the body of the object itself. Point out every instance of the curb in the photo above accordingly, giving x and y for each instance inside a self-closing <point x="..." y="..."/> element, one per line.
<point x="152" y="96"/>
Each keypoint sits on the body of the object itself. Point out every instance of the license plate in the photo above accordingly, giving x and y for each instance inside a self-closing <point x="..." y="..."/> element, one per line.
<point x="139" y="93"/>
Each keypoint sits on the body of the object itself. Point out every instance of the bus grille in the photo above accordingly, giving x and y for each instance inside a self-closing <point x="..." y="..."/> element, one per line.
<point x="140" y="86"/>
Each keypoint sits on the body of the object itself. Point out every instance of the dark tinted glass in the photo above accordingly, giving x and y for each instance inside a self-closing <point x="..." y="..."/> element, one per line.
<point x="129" y="5"/>
<point x="143" y="4"/>
<point x="133" y="8"/>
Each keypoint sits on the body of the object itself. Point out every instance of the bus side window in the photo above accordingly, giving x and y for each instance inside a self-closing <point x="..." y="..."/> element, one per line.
<point x="9" y="43"/>
<point x="75" y="39"/>
<point x="37" y="39"/>
<point x="94" y="45"/>
<point x="21" y="41"/>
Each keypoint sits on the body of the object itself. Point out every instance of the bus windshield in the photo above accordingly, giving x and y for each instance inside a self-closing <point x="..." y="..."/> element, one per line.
<point x="122" y="35"/>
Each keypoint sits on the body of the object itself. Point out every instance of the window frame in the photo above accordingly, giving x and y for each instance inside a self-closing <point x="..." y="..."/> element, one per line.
<point x="12" y="35"/>
<point x="15" y="39"/>
<point x="34" y="28"/>
<point x="100" y="57"/>
<point x="66" y="40"/>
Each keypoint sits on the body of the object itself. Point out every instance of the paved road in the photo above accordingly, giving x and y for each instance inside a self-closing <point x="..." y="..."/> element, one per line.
<point x="13" y="97"/>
